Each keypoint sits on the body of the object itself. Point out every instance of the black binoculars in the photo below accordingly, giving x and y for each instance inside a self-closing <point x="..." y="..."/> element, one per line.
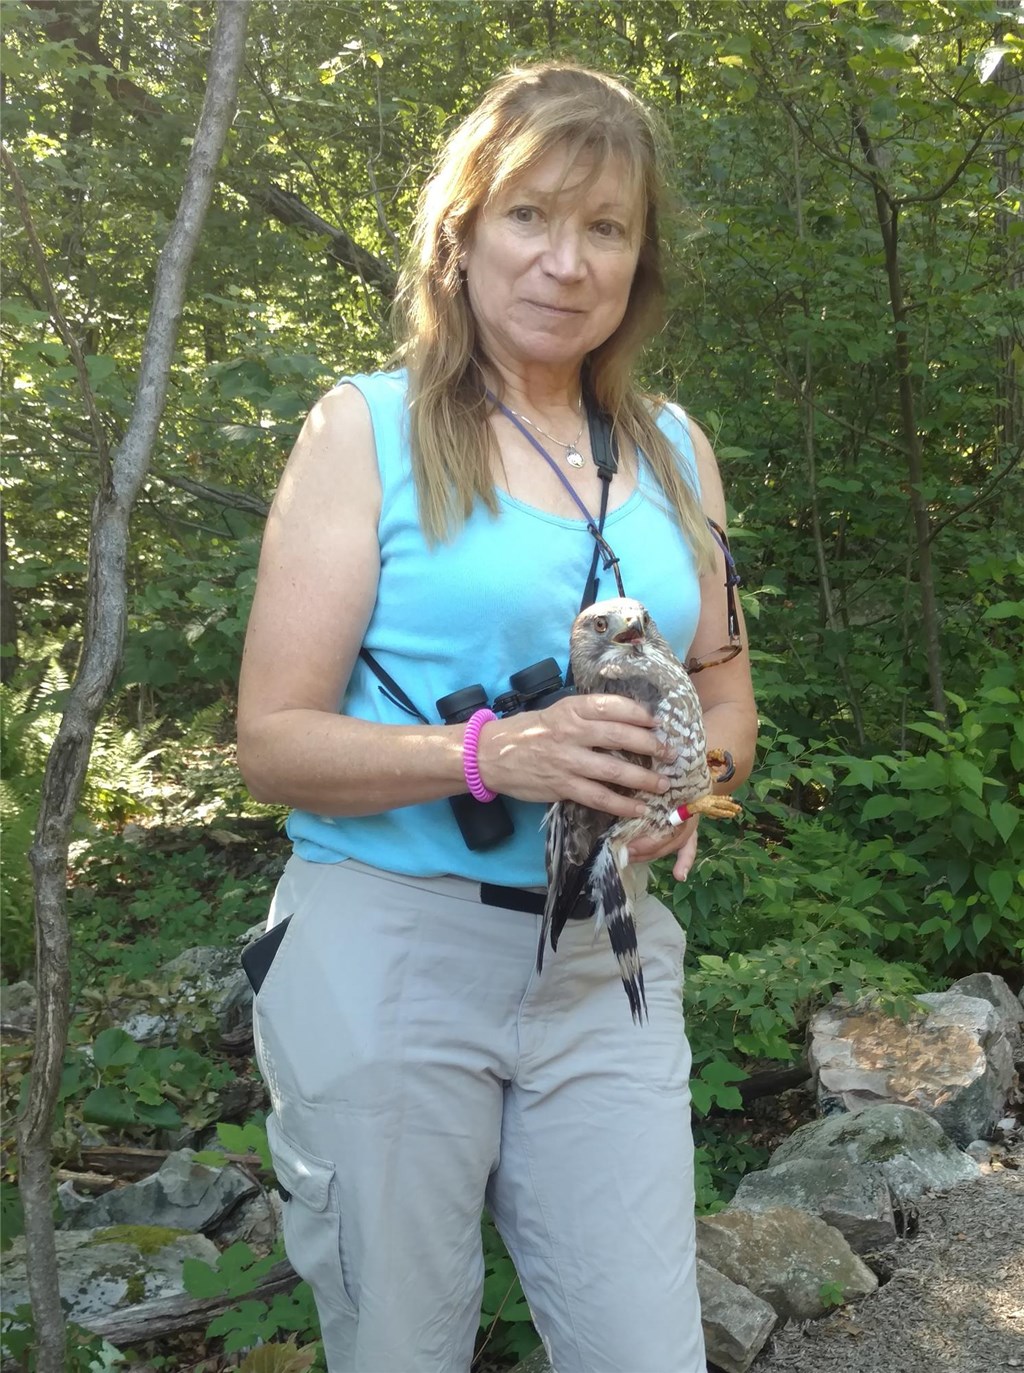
<point x="486" y="823"/>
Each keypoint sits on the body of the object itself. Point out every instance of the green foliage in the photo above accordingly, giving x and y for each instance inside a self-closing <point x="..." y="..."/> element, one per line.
<point x="720" y="1162"/>
<point x="506" y="1329"/>
<point x="85" y="1352"/>
<point x="12" y="1216"/>
<point x="250" y="1138"/>
<point x="236" y="1273"/>
<point x="132" y="907"/>
<point x="118" y="1085"/>
<point x="832" y="1294"/>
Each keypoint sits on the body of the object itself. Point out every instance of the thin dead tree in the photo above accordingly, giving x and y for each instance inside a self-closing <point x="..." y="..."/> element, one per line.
<point x="121" y="474"/>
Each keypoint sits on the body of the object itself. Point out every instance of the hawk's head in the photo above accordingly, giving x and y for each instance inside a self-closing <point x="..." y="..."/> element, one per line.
<point x="605" y="633"/>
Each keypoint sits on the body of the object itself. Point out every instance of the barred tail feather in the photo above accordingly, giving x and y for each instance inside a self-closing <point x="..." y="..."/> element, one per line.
<point x="612" y="907"/>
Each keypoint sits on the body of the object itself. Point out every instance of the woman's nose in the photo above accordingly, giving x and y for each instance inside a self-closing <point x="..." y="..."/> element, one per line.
<point x="563" y="258"/>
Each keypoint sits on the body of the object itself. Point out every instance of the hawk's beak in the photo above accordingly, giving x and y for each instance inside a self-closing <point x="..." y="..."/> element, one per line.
<point x="631" y="633"/>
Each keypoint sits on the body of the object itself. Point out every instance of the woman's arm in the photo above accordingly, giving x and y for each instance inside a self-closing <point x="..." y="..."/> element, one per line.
<point x="726" y="692"/>
<point x="315" y="593"/>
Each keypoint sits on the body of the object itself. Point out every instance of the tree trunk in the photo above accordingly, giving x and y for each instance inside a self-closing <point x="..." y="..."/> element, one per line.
<point x="888" y="223"/>
<point x="1009" y="164"/>
<point x="120" y="481"/>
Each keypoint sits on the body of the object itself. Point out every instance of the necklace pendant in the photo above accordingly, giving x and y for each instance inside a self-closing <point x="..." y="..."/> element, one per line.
<point x="574" y="457"/>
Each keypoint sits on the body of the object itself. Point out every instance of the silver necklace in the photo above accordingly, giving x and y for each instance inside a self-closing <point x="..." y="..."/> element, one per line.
<point x="573" y="456"/>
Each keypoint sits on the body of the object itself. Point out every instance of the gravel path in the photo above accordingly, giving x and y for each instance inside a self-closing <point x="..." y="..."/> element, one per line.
<point x="954" y="1303"/>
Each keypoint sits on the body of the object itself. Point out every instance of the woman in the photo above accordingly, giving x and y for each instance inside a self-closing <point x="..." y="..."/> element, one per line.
<point x="417" y="1063"/>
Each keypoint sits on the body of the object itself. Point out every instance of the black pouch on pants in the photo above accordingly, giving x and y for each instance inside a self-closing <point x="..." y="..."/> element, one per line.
<point x="259" y="955"/>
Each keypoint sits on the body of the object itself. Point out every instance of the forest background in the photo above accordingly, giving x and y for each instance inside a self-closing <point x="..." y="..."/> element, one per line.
<point x="845" y="319"/>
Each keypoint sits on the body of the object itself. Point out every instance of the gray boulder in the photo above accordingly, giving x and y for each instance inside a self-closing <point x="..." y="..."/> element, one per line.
<point x="996" y="990"/>
<point x="537" y="1362"/>
<point x="736" y="1322"/>
<point x="183" y="1195"/>
<point x="907" y="1147"/>
<point x="786" y="1257"/>
<point x="950" y="1058"/>
<point x="18" y="1006"/>
<point x="101" y="1271"/>
<point x="211" y="976"/>
<point x="258" y="1222"/>
<point x="853" y="1199"/>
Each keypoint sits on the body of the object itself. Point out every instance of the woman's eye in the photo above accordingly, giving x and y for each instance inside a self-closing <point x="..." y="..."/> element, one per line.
<point x="607" y="228"/>
<point x="601" y="625"/>
<point x="523" y="214"/>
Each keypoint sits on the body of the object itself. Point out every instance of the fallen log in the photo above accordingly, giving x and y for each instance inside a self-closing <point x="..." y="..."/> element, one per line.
<point x="123" y="1162"/>
<point x="155" y="1320"/>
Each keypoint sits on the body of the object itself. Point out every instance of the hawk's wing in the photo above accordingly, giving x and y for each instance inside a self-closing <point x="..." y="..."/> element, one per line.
<point x="573" y="834"/>
<point x="574" y="831"/>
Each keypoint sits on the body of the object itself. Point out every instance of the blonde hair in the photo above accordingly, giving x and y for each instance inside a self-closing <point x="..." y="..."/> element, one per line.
<point x="523" y="116"/>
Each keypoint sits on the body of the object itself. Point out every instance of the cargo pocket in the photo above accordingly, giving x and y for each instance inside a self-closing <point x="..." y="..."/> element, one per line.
<point x="312" y="1223"/>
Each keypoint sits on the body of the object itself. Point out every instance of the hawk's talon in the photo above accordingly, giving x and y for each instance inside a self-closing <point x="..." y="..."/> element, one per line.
<point x="721" y="765"/>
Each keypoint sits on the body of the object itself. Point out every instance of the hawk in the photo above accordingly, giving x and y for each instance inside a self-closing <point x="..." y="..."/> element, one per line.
<point x="615" y="646"/>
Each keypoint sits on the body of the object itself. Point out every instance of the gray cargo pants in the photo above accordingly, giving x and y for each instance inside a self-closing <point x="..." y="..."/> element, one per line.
<point x="418" y="1066"/>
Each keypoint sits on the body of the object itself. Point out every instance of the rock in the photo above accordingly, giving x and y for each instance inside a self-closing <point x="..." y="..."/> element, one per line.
<point x="996" y="990"/>
<point x="736" y="1322"/>
<point x="207" y="974"/>
<point x="786" y="1257"/>
<point x="258" y="1222"/>
<point x="537" y="1362"/>
<point x="106" y="1270"/>
<point x="853" y="1199"/>
<point x="907" y="1147"/>
<point x="950" y="1059"/>
<point x="18" y="1005"/>
<point x="980" y="1150"/>
<point x="252" y="933"/>
<point x="182" y="1196"/>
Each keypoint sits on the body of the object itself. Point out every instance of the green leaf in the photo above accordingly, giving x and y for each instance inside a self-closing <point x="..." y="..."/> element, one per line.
<point x="1005" y="610"/>
<point x="1000" y="885"/>
<point x="876" y="807"/>
<point x="201" y="1280"/>
<point x="860" y="773"/>
<point x="163" y="1115"/>
<point x="932" y="731"/>
<point x="981" y="924"/>
<point x="1004" y="816"/>
<point x="114" y="1048"/>
<point x="109" y="1106"/>
<point x="967" y="773"/>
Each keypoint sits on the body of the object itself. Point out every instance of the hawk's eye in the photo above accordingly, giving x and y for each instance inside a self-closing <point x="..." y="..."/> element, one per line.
<point x="647" y="620"/>
<point x="601" y="625"/>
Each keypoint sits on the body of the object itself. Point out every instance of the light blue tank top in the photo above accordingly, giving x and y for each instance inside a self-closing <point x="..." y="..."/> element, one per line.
<point x="497" y="598"/>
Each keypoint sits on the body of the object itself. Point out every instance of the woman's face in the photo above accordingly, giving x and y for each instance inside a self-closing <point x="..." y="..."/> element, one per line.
<point x="550" y="262"/>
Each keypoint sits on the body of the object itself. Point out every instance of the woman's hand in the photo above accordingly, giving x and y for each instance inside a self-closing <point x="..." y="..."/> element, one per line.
<point x="682" y="842"/>
<point x="564" y="753"/>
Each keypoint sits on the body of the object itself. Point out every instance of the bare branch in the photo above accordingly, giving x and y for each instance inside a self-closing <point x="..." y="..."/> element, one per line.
<point x="983" y="495"/>
<point x="235" y="500"/>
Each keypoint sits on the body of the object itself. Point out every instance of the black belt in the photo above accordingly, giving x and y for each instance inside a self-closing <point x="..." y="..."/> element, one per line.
<point x="532" y="902"/>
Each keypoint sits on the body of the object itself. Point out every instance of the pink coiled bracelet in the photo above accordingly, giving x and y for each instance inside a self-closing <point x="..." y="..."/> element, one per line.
<point x="470" y="763"/>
